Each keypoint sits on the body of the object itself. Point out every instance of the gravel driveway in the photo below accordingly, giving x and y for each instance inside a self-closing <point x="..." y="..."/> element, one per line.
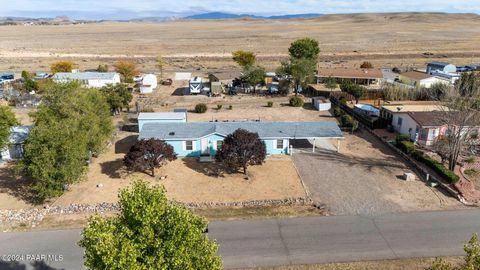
<point x="365" y="184"/>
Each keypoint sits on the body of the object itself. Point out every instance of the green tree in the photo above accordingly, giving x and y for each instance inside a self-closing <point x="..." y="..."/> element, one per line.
<point x="148" y="233"/>
<point x="254" y="76"/>
<point x="70" y="125"/>
<point x="245" y="59"/>
<point x="331" y="83"/>
<point x="304" y="48"/>
<point x="7" y="121"/>
<point x="29" y="84"/>
<point x="300" y="71"/>
<point x="102" y="68"/>
<point x="471" y="260"/>
<point x="62" y="66"/>
<point x="117" y="96"/>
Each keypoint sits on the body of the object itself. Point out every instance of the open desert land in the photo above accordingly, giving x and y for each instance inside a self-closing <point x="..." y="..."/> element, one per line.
<point x="390" y="39"/>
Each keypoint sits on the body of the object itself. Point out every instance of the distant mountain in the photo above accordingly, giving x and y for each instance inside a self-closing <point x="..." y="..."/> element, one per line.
<point x="227" y="16"/>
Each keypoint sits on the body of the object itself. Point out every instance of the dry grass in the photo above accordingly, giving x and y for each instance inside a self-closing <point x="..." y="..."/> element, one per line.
<point x="400" y="39"/>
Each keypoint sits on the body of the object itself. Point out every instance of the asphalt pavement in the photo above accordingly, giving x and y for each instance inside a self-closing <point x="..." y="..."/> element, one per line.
<point x="308" y="240"/>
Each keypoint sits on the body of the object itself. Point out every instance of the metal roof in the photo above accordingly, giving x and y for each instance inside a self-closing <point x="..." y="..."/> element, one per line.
<point x="84" y="76"/>
<point x="162" y="115"/>
<point x="19" y="134"/>
<point x="437" y="63"/>
<point x="265" y="130"/>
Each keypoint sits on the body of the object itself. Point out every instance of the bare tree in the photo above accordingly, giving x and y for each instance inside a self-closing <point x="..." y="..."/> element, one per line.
<point x="460" y="115"/>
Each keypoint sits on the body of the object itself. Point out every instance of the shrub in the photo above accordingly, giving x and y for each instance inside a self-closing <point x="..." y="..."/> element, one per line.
<point x="343" y="100"/>
<point x="402" y="138"/>
<point x="219" y="106"/>
<point x="230" y="107"/>
<point x="407" y="147"/>
<point x="347" y="121"/>
<point x="470" y="159"/>
<point x="270" y="104"/>
<point x="471" y="172"/>
<point x="201" y="108"/>
<point x="337" y="112"/>
<point x="438" y="167"/>
<point x="296" y="102"/>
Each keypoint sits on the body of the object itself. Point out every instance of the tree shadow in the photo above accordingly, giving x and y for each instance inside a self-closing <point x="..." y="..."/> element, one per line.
<point x="36" y="265"/>
<point x="122" y="146"/>
<point x="212" y="169"/>
<point x="181" y="91"/>
<point x="16" y="183"/>
<point x="113" y="168"/>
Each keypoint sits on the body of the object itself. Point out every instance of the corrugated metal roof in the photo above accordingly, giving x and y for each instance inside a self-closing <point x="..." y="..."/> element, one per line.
<point x="84" y="76"/>
<point x="266" y="130"/>
<point x="357" y="73"/>
<point x="163" y="115"/>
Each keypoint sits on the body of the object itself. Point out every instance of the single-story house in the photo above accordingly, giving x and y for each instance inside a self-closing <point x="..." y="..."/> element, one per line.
<point x="89" y="79"/>
<point x="18" y="135"/>
<point x="361" y="76"/>
<point x="203" y="139"/>
<point x="161" y="117"/>
<point x="441" y="66"/>
<point x="420" y="79"/>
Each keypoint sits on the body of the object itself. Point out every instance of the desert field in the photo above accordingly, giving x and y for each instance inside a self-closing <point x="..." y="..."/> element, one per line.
<point x="393" y="39"/>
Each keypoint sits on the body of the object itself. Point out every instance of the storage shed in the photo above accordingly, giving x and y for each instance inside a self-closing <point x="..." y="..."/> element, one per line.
<point x="148" y="84"/>
<point x="321" y="103"/>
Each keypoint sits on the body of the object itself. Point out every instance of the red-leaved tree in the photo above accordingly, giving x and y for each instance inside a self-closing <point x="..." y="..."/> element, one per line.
<point x="241" y="149"/>
<point x="148" y="155"/>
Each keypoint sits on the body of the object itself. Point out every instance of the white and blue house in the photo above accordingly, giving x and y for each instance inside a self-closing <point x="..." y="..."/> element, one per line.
<point x="442" y="67"/>
<point x="204" y="138"/>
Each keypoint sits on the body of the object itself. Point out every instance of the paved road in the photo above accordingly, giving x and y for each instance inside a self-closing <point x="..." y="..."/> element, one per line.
<point x="293" y="241"/>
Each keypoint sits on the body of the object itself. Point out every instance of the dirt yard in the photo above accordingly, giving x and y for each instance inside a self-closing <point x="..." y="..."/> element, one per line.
<point x="406" y="39"/>
<point x="187" y="180"/>
<point x="365" y="179"/>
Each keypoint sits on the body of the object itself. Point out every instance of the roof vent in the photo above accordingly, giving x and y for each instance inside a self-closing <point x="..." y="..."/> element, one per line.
<point x="171" y="133"/>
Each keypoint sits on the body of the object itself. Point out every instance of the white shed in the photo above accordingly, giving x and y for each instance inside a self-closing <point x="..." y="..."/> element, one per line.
<point x="148" y="84"/>
<point x="321" y="103"/>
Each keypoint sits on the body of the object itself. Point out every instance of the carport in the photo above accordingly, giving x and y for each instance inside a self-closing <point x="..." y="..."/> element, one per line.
<point x="315" y="137"/>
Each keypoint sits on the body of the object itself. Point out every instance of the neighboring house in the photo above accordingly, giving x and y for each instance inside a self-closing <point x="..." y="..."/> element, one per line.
<point x="367" y="77"/>
<point x="203" y="139"/>
<point x="420" y="79"/>
<point x="161" y="117"/>
<point x="89" y="79"/>
<point x="18" y="136"/>
<point x="451" y="78"/>
<point x="148" y="83"/>
<point x="441" y="66"/>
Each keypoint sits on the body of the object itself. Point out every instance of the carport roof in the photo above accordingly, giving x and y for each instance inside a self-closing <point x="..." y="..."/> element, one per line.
<point x="265" y="130"/>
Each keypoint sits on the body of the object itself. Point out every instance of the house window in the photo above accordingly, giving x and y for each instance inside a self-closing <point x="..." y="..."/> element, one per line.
<point x="189" y="145"/>
<point x="279" y="144"/>
<point x="423" y="134"/>
<point x="399" y="121"/>
<point x="219" y="144"/>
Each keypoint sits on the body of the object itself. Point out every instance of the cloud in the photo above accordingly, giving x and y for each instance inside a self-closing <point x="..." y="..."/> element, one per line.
<point x="124" y="9"/>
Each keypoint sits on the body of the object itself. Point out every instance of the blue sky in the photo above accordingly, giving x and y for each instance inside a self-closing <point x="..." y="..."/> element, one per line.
<point x="125" y="9"/>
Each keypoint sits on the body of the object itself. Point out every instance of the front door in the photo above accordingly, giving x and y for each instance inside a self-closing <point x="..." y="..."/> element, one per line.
<point x="204" y="146"/>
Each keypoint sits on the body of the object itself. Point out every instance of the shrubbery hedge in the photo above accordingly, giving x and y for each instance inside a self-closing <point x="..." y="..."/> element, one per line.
<point x="404" y="144"/>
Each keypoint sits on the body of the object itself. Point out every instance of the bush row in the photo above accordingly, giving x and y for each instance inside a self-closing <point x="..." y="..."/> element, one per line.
<point x="404" y="144"/>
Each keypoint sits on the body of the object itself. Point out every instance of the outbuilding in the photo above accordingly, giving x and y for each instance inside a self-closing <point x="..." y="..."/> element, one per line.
<point x="321" y="103"/>
<point x="148" y="83"/>
<point x="161" y="117"/>
<point x="14" y="150"/>
<point x="89" y="79"/>
<point x="441" y="66"/>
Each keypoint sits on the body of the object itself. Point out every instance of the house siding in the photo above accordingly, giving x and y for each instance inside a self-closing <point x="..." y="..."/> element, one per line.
<point x="211" y="141"/>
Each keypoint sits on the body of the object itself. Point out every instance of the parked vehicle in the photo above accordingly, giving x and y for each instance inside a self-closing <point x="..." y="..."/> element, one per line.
<point x="167" y="82"/>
